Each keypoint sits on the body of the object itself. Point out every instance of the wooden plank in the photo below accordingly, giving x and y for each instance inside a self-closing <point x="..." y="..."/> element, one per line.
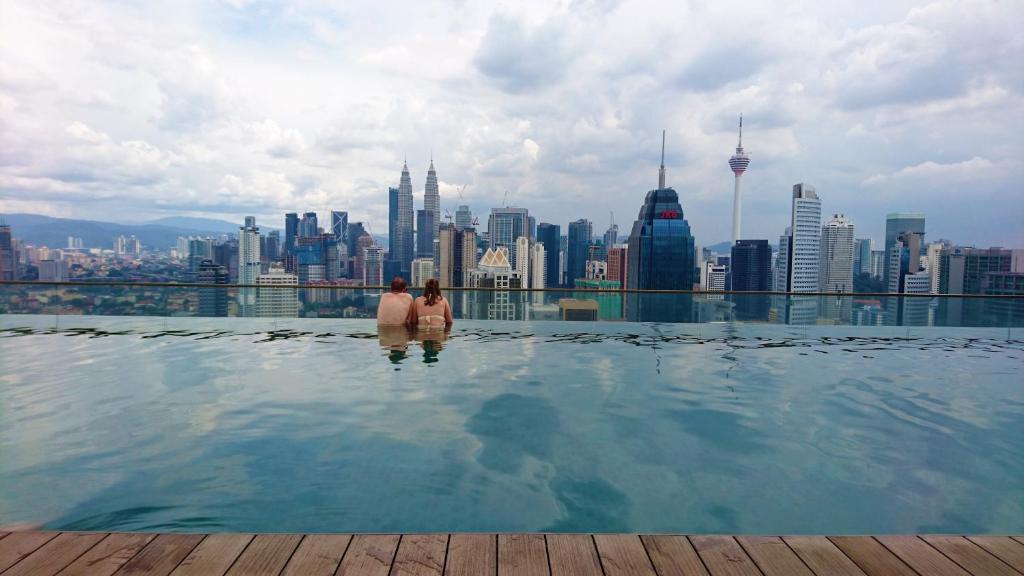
<point x="266" y="555"/>
<point x="673" y="555"/>
<point x="723" y="556"/>
<point x="1006" y="549"/>
<point x="214" y="555"/>
<point x="56" y="554"/>
<point x="369" y="555"/>
<point x="472" y="555"/>
<point x="623" y="555"/>
<point x="573" y="555"/>
<point x="420" y="555"/>
<point x="18" y="545"/>
<point x="873" y="558"/>
<point x="109" y="555"/>
<point x="773" y="556"/>
<point x="822" y="556"/>
<point x="921" y="557"/>
<point x="522" y="555"/>
<point x="161" y="555"/>
<point x="970" y="556"/>
<point x="318" y="554"/>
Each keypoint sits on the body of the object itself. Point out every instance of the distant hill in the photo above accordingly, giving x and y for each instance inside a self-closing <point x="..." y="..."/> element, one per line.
<point x="723" y="248"/>
<point x="53" y="232"/>
<point x="190" y="223"/>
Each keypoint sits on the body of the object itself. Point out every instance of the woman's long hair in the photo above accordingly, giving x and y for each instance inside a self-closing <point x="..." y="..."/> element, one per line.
<point x="432" y="291"/>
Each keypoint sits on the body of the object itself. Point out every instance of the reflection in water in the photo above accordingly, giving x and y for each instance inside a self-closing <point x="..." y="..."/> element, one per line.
<point x="395" y="340"/>
<point x="433" y="340"/>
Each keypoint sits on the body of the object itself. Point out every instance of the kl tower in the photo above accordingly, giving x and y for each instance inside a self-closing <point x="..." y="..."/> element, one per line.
<point x="738" y="163"/>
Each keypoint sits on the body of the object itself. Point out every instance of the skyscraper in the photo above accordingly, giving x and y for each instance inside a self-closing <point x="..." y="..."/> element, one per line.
<point x="618" y="264"/>
<point x="248" y="264"/>
<point x="661" y="253"/>
<point x="804" y="253"/>
<point x="403" y="249"/>
<point x="339" y="224"/>
<point x="463" y="217"/>
<point x="425" y="234"/>
<point x="522" y="261"/>
<point x="611" y="235"/>
<point x="432" y="201"/>
<point x="897" y="223"/>
<point x="212" y="301"/>
<point x="291" y="231"/>
<point x="7" y="268"/>
<point x="456" y="255"/>
<point x="549" y="235"/>
<point x="751" y="262"/>
<point x="505" y="225"/>
<point x="308" y="225"/>
<point x="836" y="263"/>
<point x="580" y="234"/>
<point x="373" y="267"/>
<point x="861" y="256"/>
<point x="422" y="269"/>
<point x="738" y="162"/>
<point x="538" y="267"/>
<point x="273" y="244"/>
<point x="277" y="295"/>
<point x="393" y="218"/>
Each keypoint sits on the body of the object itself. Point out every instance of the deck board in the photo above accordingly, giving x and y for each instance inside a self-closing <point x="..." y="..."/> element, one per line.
<point x="20" y="544"/>
<point x="573" y="555"/>
<point x="623" y="555"/>
<point x="56" y="554"/>
<point x="921" y="557"/>
<point x="42" y="553"/>
<point x="318" y="555"/>
<point x="724" y="556"/>
<point x="109" y="555"/>
<point x="472" y="555"/>
<point x="1003" y="547"/>
<point x="773" y="556"/>
<point x="266" y="555"/>
<point x="421" y="555"/>
<point x="970" y="556"/>
<point x="873" y="558"/>
<point x="522" y="555"/>
<point x="369" y="555"/>
<point x="673" y="555"/>
<point x="214" y="555"/>
<point x="161" y="556"/>
<point x="822" y="556"/>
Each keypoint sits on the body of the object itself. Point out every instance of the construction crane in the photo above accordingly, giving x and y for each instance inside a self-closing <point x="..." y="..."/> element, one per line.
<point x="505" y="201"/>
<point x="448" y="215"/>
<point x="461" y="190"/>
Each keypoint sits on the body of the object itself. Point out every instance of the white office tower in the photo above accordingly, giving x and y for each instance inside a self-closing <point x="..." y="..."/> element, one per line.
<point x="780" y="282"/>
<point x="422" y="270"/>
<point x="538" y="272"/>
<point x="248" y="265"/>
<point x="277" y="295"/>
<point x="836" y="269"/>
<point x="713" y="277"/>
<point x="738" y="162"/>
<point x="522" y="257"/>
<point x="934" y="265"/>
<point x="803" y="256"/>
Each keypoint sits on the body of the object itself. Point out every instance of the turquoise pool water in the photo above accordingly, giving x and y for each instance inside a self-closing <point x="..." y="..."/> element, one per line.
<point x="319" y="425"/>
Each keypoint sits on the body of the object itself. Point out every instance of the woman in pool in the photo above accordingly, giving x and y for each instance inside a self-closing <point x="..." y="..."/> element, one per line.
<point x="431" y="310"/>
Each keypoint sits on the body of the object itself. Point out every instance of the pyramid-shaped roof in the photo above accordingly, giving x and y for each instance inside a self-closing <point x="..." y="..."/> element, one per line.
<point x="495" y="260"/>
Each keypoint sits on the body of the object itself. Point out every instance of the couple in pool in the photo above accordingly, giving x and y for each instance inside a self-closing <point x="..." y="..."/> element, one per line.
<point x="429" y="311"/>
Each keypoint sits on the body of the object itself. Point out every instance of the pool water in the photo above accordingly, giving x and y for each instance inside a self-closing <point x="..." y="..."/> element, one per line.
<point x="320" y="425"/>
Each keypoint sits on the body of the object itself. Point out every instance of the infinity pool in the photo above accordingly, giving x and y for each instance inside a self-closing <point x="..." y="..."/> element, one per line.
<point x="318" y="425"/>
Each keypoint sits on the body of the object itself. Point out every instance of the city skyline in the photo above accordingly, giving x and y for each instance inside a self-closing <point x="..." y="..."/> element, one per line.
<point x="901" y="109"/>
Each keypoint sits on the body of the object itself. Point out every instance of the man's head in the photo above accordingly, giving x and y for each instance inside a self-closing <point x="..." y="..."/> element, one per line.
<point x="398" y="285"/>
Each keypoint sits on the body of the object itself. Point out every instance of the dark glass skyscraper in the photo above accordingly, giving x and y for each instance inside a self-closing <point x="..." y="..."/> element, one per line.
<point x="751" y="264"/>
<point x="212" y="301"/>
<point x="549" y="235"/>
<point x="339" y="224"/>
<point x="661" y="256"/>
<point x="898" y="223"/>
<point x="580" y="234"/>
<point x="308" y="226"/>
<point x="424" y="233"/>
<point x="7" y="268"/>
<point x="291" y="231"/>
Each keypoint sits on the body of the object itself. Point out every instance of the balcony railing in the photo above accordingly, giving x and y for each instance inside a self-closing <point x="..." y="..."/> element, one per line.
<point x="318" y="301"/>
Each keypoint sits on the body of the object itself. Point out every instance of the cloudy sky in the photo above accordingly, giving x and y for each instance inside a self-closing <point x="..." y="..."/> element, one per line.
<point x="127" y="112"/>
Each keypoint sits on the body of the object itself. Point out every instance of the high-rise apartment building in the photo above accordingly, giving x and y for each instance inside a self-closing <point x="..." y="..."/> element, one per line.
<point x="422" y="270"/>
<point x="277" y="295"/>
<point x="738" y="163"/>
<point x="522" y="261"/>
<point x="248" y="264"/>
<point x="579" y="237"/>
<point x="933" y="256"/>
<point x="618" y="264"/>
<point x="897" y="223"/>
<point x="549" y="235"/>
<point x="713" y="277"/>
<point x="432" y="201"/>
<point x="373" y="266"/>
<point x="456" y="255"/>
<point x="212" y="301"/>
<point x="53" y="270"/>
<point x="835" y="272"/>
<point x="538" y="267"/>
<point x="804" y="252"/>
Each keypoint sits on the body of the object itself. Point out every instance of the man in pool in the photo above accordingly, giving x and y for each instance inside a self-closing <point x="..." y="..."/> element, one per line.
<point x="394" y="306"/>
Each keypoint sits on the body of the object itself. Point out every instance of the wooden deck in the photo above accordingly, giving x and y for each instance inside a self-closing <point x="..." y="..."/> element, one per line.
<point x="103" y="554"/>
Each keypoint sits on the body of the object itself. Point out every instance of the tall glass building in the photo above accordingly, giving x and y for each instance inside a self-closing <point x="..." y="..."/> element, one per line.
<point x="897" y="223"/>
<point x="550" y="235"/>
<point x="580" y="234"/>
<point x="505" y="226"/>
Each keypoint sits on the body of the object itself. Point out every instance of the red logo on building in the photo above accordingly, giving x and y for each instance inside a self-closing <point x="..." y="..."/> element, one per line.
<point x="669" y="215"/>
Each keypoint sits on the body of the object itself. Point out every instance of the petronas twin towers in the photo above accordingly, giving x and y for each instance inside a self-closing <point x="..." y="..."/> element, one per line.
<point x="402" y="222"/>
